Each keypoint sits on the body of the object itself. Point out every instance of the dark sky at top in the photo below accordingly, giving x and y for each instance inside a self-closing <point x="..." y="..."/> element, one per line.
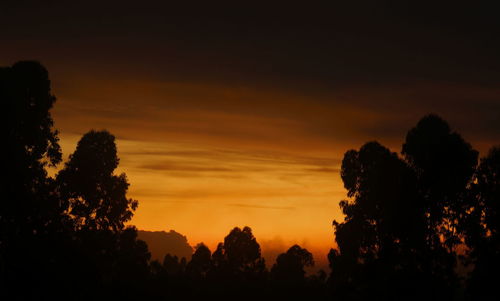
<point x="397" y="60"/>
<point x="345" y="42"/>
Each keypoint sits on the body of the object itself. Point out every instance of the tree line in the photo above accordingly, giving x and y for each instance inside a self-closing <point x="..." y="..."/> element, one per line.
<point x="422" y="224"/>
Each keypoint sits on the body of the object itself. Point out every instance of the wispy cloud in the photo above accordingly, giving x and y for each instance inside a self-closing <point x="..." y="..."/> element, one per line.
<point x="262" y="206"/>
<point x="172" y="166"/>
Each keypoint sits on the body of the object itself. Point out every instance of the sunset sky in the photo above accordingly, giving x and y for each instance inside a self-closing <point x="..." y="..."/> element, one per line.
<point x="240" y="114"/>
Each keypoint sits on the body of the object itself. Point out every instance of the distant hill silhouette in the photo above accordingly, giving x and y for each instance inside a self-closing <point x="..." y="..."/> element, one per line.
<point x="161" y="243"/>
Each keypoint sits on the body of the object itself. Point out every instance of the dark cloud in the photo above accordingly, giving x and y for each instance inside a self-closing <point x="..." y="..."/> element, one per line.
<point x="329" y="45"/>
<point x="245" y="156"/>
<point x="324" y="169"/>
<point x="230" y="164"/>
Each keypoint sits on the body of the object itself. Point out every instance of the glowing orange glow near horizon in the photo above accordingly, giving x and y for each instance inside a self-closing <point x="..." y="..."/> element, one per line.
<point x="204" y="158"/>
<point x="202" y="171"/>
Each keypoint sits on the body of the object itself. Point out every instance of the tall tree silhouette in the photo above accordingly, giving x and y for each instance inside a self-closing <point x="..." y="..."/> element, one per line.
<point x="28" y="126"/>
<point x="94" y="197"/>
<point x="97" y="207"/>
<point x="483" y="237"/>
<point x="444" y="163"/>
<point x="29" y="210"/>
<point x="405" y="216"/>
<point x="30" y="144"/>
<point x="383" y="229"/>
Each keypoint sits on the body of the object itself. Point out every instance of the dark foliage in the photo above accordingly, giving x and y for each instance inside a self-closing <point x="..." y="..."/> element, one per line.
<point x="406" y="217"/>
<point x="382" y="237"/>
<point x="48" y="248"/>
<point x="95" y="198"/>
<point x="237" y="264"/>
<point x="289" y="266"/>
<point x="483" y="229"/>
<point x="200" y="264"/>
<point x="444" y="164"/>
<point x="29" y="213"/>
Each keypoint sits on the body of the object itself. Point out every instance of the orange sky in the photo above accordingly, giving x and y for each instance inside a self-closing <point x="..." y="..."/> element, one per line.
<point x="204" y="158"/>
<point x="240" y="115"/>
<point x="202" y="171"/>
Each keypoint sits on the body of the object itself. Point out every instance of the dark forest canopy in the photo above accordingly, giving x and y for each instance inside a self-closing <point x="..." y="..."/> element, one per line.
<point x="411" y="220"/>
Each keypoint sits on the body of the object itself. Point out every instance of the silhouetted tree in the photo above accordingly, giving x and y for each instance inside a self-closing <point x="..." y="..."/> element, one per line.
<point x="95" y="198"/>
<point x="131" y="257"/>
<point x="242" y="252"/>
<point x="289" y="266"/>
<point x="237" y="264"/>
<point x="30" y="139"/>
<point x="30" y="143"/>
<point x="288" y="278"/>
<point x="444" y="164"/>
<point x="30" y="231"/>
<point x="405" y="218"/>
<point x="97" y="208"/>
<point x="200" y="263"/>
<point x="109" y="264"/>
<point x="383" y="229"/>
<point x="483" y="237"/>
<point x="173" y="266"/>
